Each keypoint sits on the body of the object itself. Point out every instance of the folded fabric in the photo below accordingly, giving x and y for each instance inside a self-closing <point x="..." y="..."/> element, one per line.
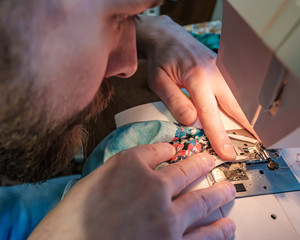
<point x="186" y="140"/>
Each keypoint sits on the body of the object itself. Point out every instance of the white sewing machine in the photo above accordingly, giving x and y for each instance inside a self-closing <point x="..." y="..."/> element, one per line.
<point x="259" y="57"/>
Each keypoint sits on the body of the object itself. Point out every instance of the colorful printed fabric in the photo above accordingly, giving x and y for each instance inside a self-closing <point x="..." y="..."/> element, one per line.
<point x="186" y="140"/>
<point x="129" y="136"/>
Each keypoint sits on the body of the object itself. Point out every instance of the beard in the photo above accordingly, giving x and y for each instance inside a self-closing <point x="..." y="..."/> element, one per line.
<point x="34" y="149"/>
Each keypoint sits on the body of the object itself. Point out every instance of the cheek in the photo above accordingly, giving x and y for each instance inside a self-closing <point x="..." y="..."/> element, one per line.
<point x="71" y="67"/>
<point x="80" y="86"/>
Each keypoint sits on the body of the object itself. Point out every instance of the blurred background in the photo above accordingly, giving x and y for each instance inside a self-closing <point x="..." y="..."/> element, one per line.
<point x="189" y="11"/>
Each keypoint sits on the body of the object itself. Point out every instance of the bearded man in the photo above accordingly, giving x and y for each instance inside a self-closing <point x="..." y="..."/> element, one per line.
<point x="56" y="59"/>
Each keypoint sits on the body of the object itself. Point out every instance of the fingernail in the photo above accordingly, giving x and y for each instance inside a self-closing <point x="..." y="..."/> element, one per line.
<point x="232" y="189"/>
<point x="211" y="162"/>
<point x="229" y="189"/>
<point x="230" y="227"/>
<point x="207" y="158"/>
<point x="229" y="150"/>
<point x="171" y="148"/>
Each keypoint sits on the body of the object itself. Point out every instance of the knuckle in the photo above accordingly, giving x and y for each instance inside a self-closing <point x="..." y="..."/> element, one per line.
<point x="192" y="70"/>
<point x="196" y="162"/>
<point x="175" y="100"/>
<point x="180" y="104"/>
<point x="173" y="219"/>
<point x="154" y="151"/>
<point x="181" y="171"/>
<point x="158" y="187"/>
<point x="204" y="204"/>
<point x="128" y="156"/>
<point x="217" y="135"/>
<point x="160" y="184"/>
<point x="209" y="110"/>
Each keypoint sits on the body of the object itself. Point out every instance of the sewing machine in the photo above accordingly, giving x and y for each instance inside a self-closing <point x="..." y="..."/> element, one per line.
<point x="259" y="57"/>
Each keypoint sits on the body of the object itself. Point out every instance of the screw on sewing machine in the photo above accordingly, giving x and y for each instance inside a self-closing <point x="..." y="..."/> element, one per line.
<point x="271" y="164"/>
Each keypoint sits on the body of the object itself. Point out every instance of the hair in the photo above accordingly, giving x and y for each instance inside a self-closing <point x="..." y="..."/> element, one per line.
<point x="33" y="147"/>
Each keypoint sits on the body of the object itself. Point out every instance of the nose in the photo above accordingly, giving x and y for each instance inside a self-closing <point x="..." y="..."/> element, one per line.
<point x="122" y="61"/>
<point x="128" y="62"/>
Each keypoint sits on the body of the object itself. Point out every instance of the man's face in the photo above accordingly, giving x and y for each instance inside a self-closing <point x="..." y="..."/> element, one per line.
<point x="88" y="41"/>
<point x="72" y="46"/>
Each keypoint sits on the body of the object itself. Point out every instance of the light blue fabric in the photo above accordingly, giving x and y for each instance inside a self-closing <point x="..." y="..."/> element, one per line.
<point x="23" y="206"/>
<point x="129" y="136"/>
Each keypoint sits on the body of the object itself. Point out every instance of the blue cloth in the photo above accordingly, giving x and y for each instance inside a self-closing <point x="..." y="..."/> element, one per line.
<point x="129" y="136"/>
<point x="186" y="140"/>
<point x="23" y="206"/>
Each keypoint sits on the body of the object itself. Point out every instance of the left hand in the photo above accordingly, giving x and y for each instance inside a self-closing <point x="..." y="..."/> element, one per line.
<point x="126" y="199"/>
<point x="177" y="60"/>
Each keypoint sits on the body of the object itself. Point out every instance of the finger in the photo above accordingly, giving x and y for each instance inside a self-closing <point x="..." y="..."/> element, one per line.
<point x="203" y="97"/>
<point x="151" y="154"/>
<point x="180" y="174"/>
<point x="229" y="103"/>
<point x="224" y="228"/>
<point x="178" y="104"/>
<point x="196" y="205"/>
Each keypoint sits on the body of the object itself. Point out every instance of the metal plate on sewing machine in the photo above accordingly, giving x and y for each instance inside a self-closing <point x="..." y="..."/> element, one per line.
<point x="257" y="179"/>
<point x="252" y="175"/>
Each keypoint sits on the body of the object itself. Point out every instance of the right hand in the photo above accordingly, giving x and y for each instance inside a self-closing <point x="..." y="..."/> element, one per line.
<point x="126" y="199"/>
<point x="177" y="60"/>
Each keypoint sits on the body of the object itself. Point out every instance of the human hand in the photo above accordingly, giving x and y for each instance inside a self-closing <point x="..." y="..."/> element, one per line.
<point x="177" y="60"/>
<point x="126" y="199"/>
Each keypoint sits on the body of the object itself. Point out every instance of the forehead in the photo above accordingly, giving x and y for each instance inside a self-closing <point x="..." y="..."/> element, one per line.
<point x="131" y="6"/>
